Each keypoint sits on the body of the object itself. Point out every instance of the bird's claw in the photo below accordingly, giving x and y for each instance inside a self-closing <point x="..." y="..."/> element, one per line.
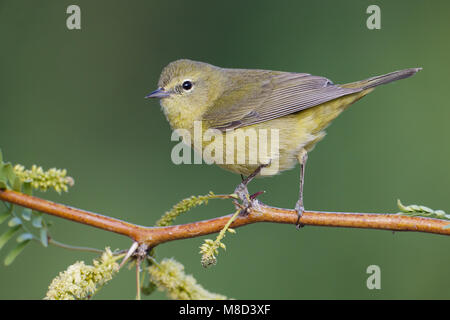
<point x="300" y="209"/>
<point x="256" y="194"/>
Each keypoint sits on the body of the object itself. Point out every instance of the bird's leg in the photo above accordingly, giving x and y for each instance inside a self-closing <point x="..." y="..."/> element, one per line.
<point x="302" y="158"/>
<point x="242" y="192"/>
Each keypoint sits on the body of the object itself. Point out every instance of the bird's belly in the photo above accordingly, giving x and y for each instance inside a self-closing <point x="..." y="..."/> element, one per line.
<point x="275" y="143"/>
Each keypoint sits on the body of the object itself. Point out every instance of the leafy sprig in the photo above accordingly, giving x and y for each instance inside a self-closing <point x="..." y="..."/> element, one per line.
<point x="421" y="211"/>
<point x="27" y="224"/>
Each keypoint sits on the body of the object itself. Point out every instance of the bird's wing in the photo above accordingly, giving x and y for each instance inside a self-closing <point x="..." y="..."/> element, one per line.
<point x="264" y="95"/>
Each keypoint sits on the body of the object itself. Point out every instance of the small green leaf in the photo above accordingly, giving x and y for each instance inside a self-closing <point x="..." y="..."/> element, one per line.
<point x="14" y="222"/>
<point x="2" y="172"/>
<point x="25" y="236"/>
<point x="44" y="237"/>
<point x="26" y="214"/>
<point x="27" y="188"/>
<point x="12" y="255"/>
<point x="3" y="184"/>
<point x="440" y="213"/>
<point x="16" y="184"/>
<point x="37" y="222"/>
<point x="1" y="156"/>
<point x="8" y="172"/>
<point x="4" y="216"/>
<point x="4" y="238"/>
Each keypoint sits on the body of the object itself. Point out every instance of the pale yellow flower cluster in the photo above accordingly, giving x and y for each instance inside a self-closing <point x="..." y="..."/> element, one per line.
<point x="43" y="180"/>
<point x="209" y="249"/>
<point x="80" y="281"/>
<point x="183" y="206"/>
<point x="169" y="275"/>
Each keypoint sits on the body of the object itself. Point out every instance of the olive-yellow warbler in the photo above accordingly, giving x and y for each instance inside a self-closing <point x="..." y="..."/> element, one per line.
<point x="299" y="106"/>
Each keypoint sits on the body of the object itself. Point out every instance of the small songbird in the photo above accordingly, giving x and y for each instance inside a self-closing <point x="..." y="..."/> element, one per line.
<point x="299" y="106"/>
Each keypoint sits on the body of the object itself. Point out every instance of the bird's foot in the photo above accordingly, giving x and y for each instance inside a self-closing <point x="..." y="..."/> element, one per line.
<point x="300" y="209"/>
<point x="247" y="201"/>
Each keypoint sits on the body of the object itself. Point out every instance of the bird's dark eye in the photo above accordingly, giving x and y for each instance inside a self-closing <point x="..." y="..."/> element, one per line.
<point x="187" y="85"/>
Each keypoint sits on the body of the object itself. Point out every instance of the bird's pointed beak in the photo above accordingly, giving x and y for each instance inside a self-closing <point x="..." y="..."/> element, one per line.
<point x="158" y="93"/>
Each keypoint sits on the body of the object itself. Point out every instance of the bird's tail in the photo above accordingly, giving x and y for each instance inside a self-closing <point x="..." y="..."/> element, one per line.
<point x="379" y="80"/>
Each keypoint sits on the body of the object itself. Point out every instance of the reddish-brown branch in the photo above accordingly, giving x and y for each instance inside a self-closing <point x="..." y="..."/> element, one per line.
<point x="152" y="236"/>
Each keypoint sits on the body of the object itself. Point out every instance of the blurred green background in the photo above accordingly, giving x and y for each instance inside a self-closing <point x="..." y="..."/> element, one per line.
<point x="74" y="99"/>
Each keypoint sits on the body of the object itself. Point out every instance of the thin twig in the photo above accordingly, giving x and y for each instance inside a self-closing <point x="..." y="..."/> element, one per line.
<point x="76" y="248"/>
<point x="138" y="281"/>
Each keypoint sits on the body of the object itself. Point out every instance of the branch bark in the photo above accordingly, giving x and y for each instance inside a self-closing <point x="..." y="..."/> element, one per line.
<point x="153" y="236"/>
